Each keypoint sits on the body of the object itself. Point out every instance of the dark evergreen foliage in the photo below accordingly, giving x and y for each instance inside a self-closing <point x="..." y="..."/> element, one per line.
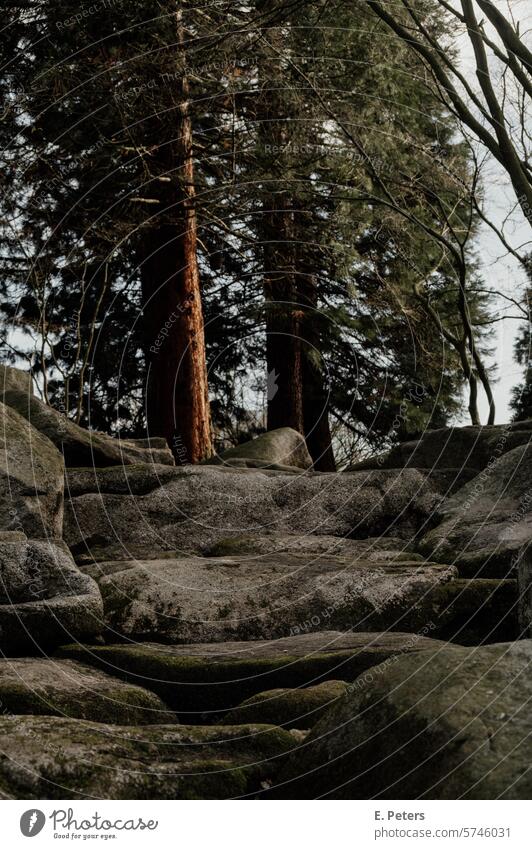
<point x="90" y="109"/>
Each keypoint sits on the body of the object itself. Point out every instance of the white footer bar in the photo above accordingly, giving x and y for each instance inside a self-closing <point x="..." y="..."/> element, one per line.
<point x="265" y="824"/>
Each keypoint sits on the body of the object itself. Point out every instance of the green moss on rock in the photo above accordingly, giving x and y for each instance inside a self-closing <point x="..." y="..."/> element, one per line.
<point x="202" y="682"/>
<point x="289" y="708"/>
<point x="446" y="724"/>
<point x="54" y="687"/>
<point x="54" y="758"/>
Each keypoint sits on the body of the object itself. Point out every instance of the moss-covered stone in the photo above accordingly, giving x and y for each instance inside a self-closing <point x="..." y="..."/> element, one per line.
<point x="55" y="758"/>
<point x="81" y="447"/>
<point x="202" y="682"/>
<point x="236" y="546"/>
<point x="200" y="599"/>
<point x="288" y="708"/>
<point x="281" y="447"/>
<point x="44" y="598"/>
<point x="31" y="479"/>
<point x="450" y="724"/>
<point x="67" y="688"/>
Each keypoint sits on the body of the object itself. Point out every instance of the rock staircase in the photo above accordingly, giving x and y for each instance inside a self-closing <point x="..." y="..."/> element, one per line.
<point x="229" y="630"/>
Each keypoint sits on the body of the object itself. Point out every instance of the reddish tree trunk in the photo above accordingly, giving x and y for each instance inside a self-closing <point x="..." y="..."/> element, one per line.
<point x="177" y="400"/>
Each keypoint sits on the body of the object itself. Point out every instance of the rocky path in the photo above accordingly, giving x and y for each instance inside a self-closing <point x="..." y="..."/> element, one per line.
<point x="256" y="629"/>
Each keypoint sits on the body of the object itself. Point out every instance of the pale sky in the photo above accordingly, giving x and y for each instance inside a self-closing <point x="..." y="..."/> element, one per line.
<point x="502" y="272"/>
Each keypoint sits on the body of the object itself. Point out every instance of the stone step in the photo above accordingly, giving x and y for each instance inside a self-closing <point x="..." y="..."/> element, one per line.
<point x="371" y="548"/>
<point x="51" y="686"/>
<point x="54" y="758"/>
<point x="190" y="508"/>
<point x="270" y="596"/>
<point x="238" y="545"/>
<point x="202" y="682"/>
<point x="205" y="599"/>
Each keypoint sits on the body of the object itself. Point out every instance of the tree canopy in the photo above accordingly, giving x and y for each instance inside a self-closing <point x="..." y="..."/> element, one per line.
<point x="288" y="170"/>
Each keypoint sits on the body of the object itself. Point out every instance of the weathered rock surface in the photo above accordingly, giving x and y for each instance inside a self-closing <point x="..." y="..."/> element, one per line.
<point x="373" y="548"/>
<point x="269" y="596"/>
<point x="44" y="598"/>
<point x="206" y="680"/>
<point x="450" y="724"/>
<point x="202" y="505"/>
<point x="14" y="378"/>
<point x="134" y="479"/>
<point x="81" y="447"/>
<point x="55" y="758"/>
<point x="31" y="478"/>
<point x="281" y="447"/>
<point x="467" y="449"/>
<point x="483" y="526"/>
<point x="50" y="686"/>
<point x="287" y="707"/>
<point x="198" y="599"/>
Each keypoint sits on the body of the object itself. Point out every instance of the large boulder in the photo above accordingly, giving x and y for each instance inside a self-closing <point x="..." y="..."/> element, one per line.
<point x="281" y="447"/>
<point x="447" y="724"/>
<point x="133" y="479"/>
<point x="55" y="687"/>
<point x="207" y="680"/>
<point x="31" y="472"/>
<point x="468" y="449"/>
<point x="79" y="446"/>
<point x="483" y="526"/>
<point x="55" y="758"/>
<point x="44" y="598"/>
<point x="195" y="599"/>
<point x="267" y="597"/>
<point x="201" y="505"/>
